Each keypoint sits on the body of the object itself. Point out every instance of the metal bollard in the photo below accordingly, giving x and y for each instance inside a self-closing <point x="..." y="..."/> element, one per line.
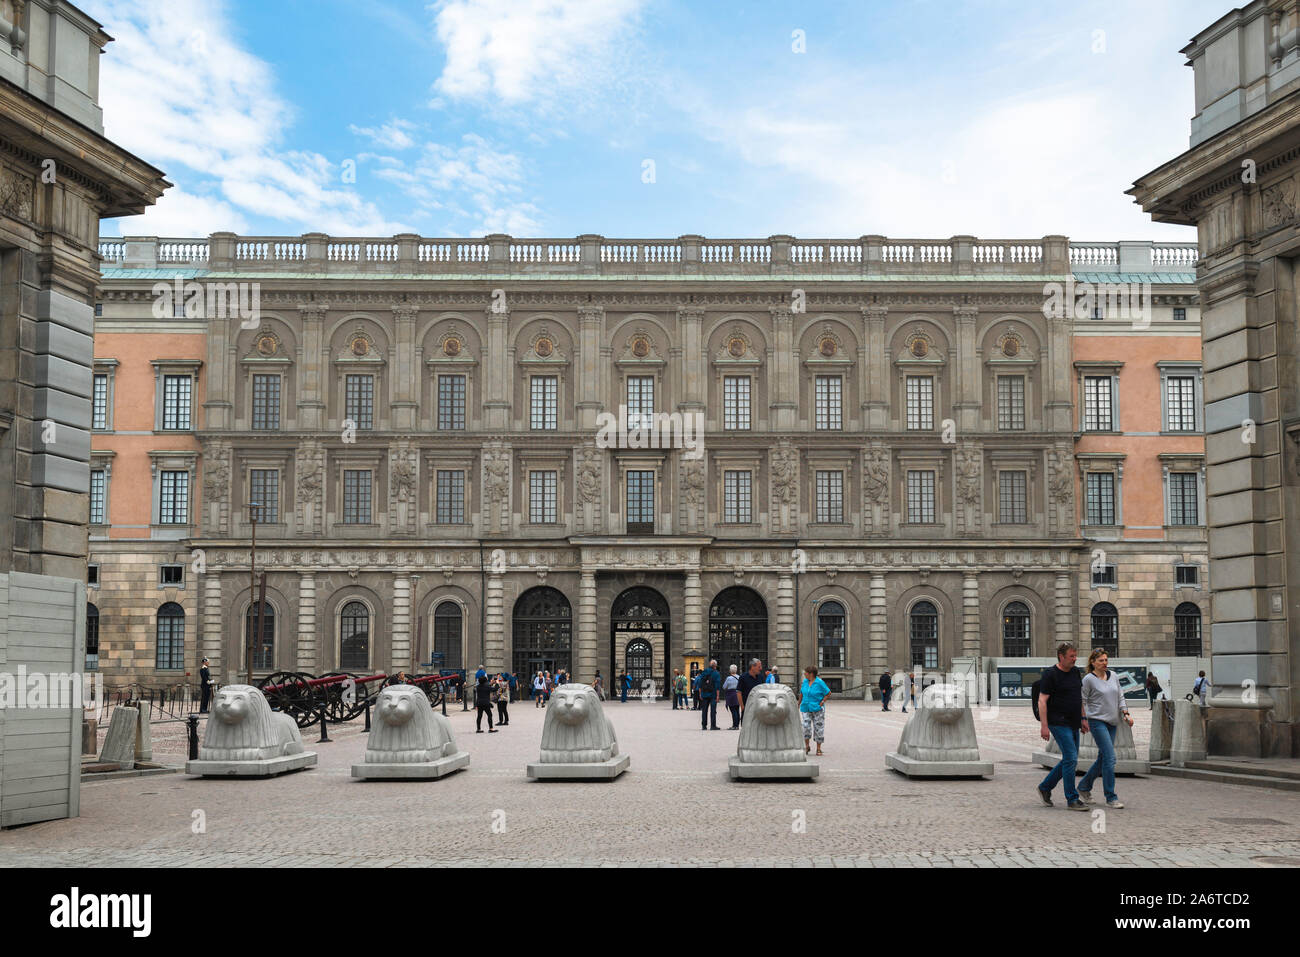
<point x="367" y="727"/>
<point x="324" y="731"/>
<point x="444" y="704"/>
<point x="193" y="722"/>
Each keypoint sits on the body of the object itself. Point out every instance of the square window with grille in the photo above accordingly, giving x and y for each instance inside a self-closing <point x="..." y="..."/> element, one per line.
<point x="920" y="496"/>
<point x="1100" y="499"/>
<point x="830" y="496"/>
<point x="266" y="402"/>
<point x="451" y="497"/>
<point x="359" y="400"/>
<point x="640" y="402"/>
<point x="172" y="576"/>
<point x="1097" y="404"/>
<point x="1011" y="402"/>
<point x="735" y="402"/>
<point x="1187" y="575"/>
<point x="99" y="404"/>
<point x="98" y="488"/>
<point x="1184" y="508"/>
<point x="356" y="496"/>
<point x="1180" y="314"/>
<point x="920" y="402"/>
<point x="174" y="498"/>
<point x="737" y="497"/>
<point x="1013" y="507"/>
<point x="640" y="502"/>
<point x="542" y="492"/>
<point x="1104" y="575"/>
<point x="176" y="402"/>
<point x="1180" y="403"/>
<point x="828" y="390"/>
<point x="451" y="402"/>
<point x="542" y="407"/>
<point x="264" y="489"/>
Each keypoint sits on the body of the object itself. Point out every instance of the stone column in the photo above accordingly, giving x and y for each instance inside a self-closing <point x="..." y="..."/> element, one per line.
<point x="588" y="652"/>
<point x="1058" y="372"/>
<point x="695" y="364"/>
<point x="878" y="638"/>
<point x="306" y="659"/>
<point x="966" y="403"/>
<point x="400" y="645"/>
<point x="1064" y="614"/>
<point x="406" y="377"/>
<point x="875" y="367"/>
<point x="497" y="376"/>
<point x="210" y="621"/>
<point x="313" y="366"/>
<point x="970" y="631"/>
<point x="784" y="655"/>
<point x="783" y="373"/>
<point x="692" y="614"/>
<point x="588" y="367"/>
<point x="494" y="634"/>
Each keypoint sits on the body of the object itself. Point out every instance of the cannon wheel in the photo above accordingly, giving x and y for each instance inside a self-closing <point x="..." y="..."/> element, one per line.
<point x="337" y="708"/>
<point x="289" y="693"/>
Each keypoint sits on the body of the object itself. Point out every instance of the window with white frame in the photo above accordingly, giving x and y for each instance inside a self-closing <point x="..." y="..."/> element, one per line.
<point x="356" y="496"/>
<point x="451" y="497"/>
<point x="1099" y="505"/>
<point x="1013" y="495"/>
<point x="735" y="402"/>
<point x="99" y="403"/>
<point x="177" y="390"/>
<point x="1011" y="402"/>
<point x="828" y="390"/>
<point x="640" y="401"/>
<point x="543" y="490"/>
<point x="1184" y="497"/>
<point x="266" y="402"/>
<point x="640" y="501"/>
<point x="920" y="496"/>
<point x="737" y="496"/>
<point x="174" y="498"/>
<point x="359" y="399"/>
<point x="1180" y="403"/>
<point x="1099" y="403"/>
<point x="920" y="402"/>
<point x="1187" y="575"/>
<point x="1104" y="574"/>
<point x="451" y="402"/>
<point x="830" y="495"/>
<point x="98" y="496"/>
<point x="264" y="489"/>
<point x="543" y="405"/>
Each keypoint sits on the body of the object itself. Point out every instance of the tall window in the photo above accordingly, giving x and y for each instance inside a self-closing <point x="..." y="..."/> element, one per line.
<point x="1015" y="630"/>
<point x="266" y="402"/>
<point x="1012" y="498"/>
<point x="920" y="496"/>
<point x="542" y="410"/>
<point x="829" y="389"/>
<point x="170" y="634"/>
<point x="920" y="402"/>
<point x="1100" y="501"/>
<point x="640" y="401"/>
<point x="176" y="401"/>
<point x="98" y="484"/>
<point x="356" y="496"/>
<point x="735" y="402"/>
<point x="640" y="501"/>
<point x="1098" y="409"/>
<point x="447" y="634"/>
<point x="830" y="635"/>
<point x="1011" y="402"/>
<point x="99" y="404"/>
<point x="264" y="488"/>
<point x="1187" y="630"/>
<point x="359" y="400"/>
<point x="354" y="637"/>
<point x="174" y="498"/>
<point x="263" y="641"/>
<point x="1180" y="403"/>
<point x="737" y="496"/>
<point x="451" y="402"/>
<point x="830" y="496"/>
<point x="1105" y="628"/>
<point x="923" y="629"/>
<point x="451" y="497"/>
<point x="92" y="637"/>
<point x="1184" y="508"/>
<point x="542" y="491"/>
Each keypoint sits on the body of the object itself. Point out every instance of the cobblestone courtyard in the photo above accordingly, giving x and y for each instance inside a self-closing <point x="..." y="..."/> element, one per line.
<point x="675" y="806"/>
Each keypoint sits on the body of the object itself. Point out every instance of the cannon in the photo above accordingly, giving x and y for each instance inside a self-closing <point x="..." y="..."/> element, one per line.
<point x="340" y="695"/>
<point x="434" y="686"/>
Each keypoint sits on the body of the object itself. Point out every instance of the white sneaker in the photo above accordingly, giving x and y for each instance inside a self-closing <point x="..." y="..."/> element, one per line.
<point x="1117" y="804"/>
<point x="1085" y="796"/>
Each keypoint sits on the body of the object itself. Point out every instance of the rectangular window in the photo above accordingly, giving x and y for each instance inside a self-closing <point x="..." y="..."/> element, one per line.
<point x="266" y="402"/>
<point x="451" y="402"/>
<point x="1097" y="405"/>
<point x="92" y="574"/>
<point x="737" y="496"/>
<point x="830" y="496"/>
<point x="356" y="496"/>
<point x="98" y="486"/>
<point x="1180" y="314"/>
<point x="640" y="501"/>
<point x="174" y="498"/>
<point x="735" y="402"/>
<point x="1187" y="575"/>
<point x="1100" y="504"/>
<point x="99" y="404"/>
<point x="176" y="402"/>
<point x="1012" y="498"/>
<point x="1183" y="506"/>
<point x="170" y="653"/>
<point x="1180" y="403"/>
<point x="264" y="489"/>
<point x="920" y="496"/>
<point x="640" y="401"/>
<point x="359" y="400"/>
<point x="542" y="410"/>
<point x="1104" y="575"/>
<point x="172" y="576"/>
<point x="1011" y="402"/>
<point x="542" y="487"/>
<point x="828" y="391"/>
<point x="920" y="402"/>
<point x="451" y="497"/>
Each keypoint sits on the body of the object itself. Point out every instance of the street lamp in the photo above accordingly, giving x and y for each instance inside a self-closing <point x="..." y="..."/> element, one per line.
<point x="253" y="509"/>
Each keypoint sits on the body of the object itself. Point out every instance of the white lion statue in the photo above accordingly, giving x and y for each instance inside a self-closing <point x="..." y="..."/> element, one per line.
<point x="771" y="732"/>
<point x="576" y="730"/>
<point x="941" y="729"/>
<point x="406" y="729"/>
<point x="243" y="727"/>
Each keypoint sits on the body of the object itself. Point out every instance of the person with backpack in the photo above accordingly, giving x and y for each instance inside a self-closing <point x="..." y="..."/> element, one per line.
<point x="1103" y="703"/>
<point x="710" y="685"/>
<point x="886" y="686"/>
<point x="1153" y="687"/>
<point x="1059" y="697"/>
<point x="483" y="702"/>
<point x="1201" y="687"/>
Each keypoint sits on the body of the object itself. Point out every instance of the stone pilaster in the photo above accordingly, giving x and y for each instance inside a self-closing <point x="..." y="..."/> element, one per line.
<point x="784" y="656"/>
<point x="692" y="614"/>
<point x="313" y="367"/>
<point x="210" y="625"/>
<point x="497" y="380"/>
<point x="970" y="604"/>
<point x="875" y="367"/>
<point x="878" y="639"/>
<point x="966" y="397"/>
<point x="784" y="378"/>
<point x="401" y="656"/>
<point x="587" y="643"/>
<point x="406" y="376"/>
<point x="588" y="367"/>
<point x="307" y="659"/>
<point x="494" y="632"/>
<point x="309" y="500"/>
<point x="1064" y="615"/>
<point x="498" y="481"/>
<point x="695" y="361"/>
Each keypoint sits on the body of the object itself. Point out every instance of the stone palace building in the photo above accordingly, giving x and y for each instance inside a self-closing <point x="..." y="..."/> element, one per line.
<point x="906" y="457"/>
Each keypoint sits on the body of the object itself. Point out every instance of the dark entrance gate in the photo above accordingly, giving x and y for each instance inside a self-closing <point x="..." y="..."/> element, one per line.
<point x="738" y="629"/>
<point x="543" y="633"/>
<point x="638" y="621"/>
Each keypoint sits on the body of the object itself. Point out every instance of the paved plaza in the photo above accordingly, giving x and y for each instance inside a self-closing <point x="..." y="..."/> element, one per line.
<point x="674" y="807"/>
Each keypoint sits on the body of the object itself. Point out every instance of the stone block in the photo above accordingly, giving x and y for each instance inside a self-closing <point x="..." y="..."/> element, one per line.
<point x="143" y="739"/>
<point x="580" y="771"/>
<point x="1241" y="637"/>
<point x="89" y="736"/>
<point x="1265" y="670"/>
<point x="263" y="768"/>
<point x="421" y="771"/>
<point x="913" y="768"/>
<point x="119" y="743"/>
<point x="1188" y="742"/>
<point x="1248" y="732"/>
<point x="56" y="307"/>
<point x="771" y="771"/>
<point x="1229" y="413"/>
<point x="1162" y="731"/>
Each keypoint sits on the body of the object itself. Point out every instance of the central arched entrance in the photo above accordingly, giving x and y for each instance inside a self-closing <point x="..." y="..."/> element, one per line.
<point x="738" y="629"/>
<point x="639" y="640"/>
<point x="543" y="633"/>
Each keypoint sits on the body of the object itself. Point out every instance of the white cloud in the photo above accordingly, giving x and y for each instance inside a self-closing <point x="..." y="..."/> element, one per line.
<point x="395" y="134"/>
<point x="181" y="214"/>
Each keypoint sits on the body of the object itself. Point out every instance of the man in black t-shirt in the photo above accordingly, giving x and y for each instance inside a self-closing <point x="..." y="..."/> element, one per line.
<point x="1060" y="710"/>
<point x="750" y="680"/>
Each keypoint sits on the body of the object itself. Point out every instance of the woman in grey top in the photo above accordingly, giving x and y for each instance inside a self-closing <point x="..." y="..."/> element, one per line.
<point x="1103" y="706"/>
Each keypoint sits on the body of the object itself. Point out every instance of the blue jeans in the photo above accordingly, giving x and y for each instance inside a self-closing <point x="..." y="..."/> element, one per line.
<point x="1067" y="739"/>
<point x="708" y="712"/>
<point x="1104" y="766"/>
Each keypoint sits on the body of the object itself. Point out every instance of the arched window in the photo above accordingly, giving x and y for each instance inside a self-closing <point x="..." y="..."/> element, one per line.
<point x="354" y="637"/>
<point x="92" y="637"/>
<point x="170" y="652"/>
<point x="447" y="635"/>
<point x="1187" y="630"/>
<point x="263" y="642"/>
<point x="1105" y="628"/>
<point x="830" y="635"/>
<point x="1015" y="630"/>
<point x="923" y="629"/>
<point x="737" y="628"/>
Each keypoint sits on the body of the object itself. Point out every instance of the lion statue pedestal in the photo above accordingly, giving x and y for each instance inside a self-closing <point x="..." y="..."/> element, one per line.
<point x="578" y="741"/>
<point x="1126" y="756"/>
<point x="244" y="738"/>
<point x="771" y="738"/>
<point x="939" y="739"/>
<point x="408" y="739"/>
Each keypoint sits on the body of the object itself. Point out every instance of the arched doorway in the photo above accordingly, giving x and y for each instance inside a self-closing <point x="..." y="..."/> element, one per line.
<point x="738" y="629"/>
<point x="543" y="633"/>
<point x="638" y="622"/>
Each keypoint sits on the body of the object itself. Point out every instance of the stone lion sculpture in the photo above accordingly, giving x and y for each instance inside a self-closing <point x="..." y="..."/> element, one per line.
<point x="406" y="729"/>
<point x="576" y="730"/>
<point x="771" y="732"/>
<point x="942" y="729"/>
<point x="242" y="727"/>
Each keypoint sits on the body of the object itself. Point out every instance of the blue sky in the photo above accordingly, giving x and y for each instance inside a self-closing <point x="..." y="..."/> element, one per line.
<point x="649" y="118"/>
